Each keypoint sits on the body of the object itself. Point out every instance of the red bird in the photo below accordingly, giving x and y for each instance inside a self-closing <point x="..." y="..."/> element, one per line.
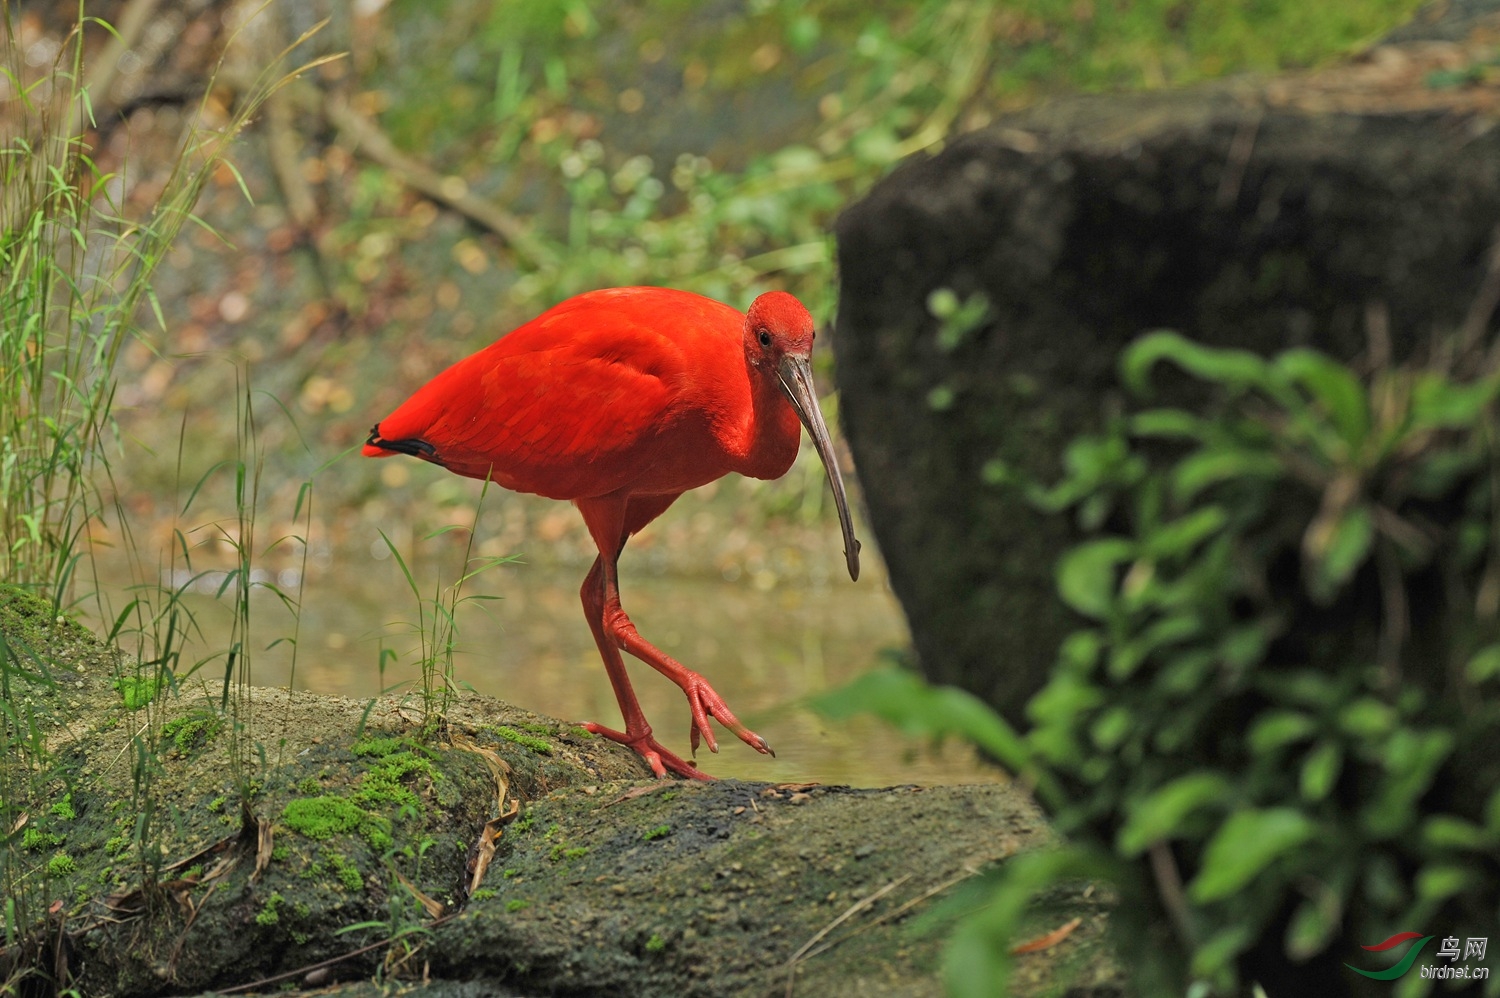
<point x="620" y="401"/>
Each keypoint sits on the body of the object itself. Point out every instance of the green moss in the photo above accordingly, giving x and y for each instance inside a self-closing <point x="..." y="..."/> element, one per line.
<point x="483" y="894"/>
<point x="381" y="747"/>
<point x="192" y="731"/>
<point x="326" y="816"/>
<point x="117" y="844"/>
<point x="561" y="851"/>
<point x="510" y="872"/>
<point x="580" y="731"/>
<point x="269" y="913"/>
<point x="539" y="745"/>
<point x="33" y="839"/>
<point x="524" y="823"/>
<point x="216" y="803"/>
<point x="655" y="944"/>
<point x="516" y="904"/>
<point x="281" y="854"/>
<point x="137" y="691"/>
<point x="347" y="872"/>
<point x="536" y="729"/>
<point x="659" y="831"/>
<point x="193" y="872"/>
<point x="309" y="786"/>
<point x="61" y="864"/>
<point x="64" y="808"/>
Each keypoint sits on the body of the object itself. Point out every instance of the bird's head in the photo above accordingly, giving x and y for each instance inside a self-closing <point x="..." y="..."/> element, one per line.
<point x="778" y="341"/>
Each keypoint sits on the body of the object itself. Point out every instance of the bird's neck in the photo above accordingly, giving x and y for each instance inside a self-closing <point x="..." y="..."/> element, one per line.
<point x="774" y="430"/>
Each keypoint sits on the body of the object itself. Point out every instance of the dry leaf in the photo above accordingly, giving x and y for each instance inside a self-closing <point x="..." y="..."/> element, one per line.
<point x="1048" y="941"/>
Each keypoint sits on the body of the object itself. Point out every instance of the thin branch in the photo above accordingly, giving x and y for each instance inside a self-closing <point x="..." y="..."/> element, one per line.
<point x="849" y="912"/>
<point x="451" y="191"/>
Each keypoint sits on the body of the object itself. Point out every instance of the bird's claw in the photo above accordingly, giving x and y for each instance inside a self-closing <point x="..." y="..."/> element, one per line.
<point x="704" y="703"/>
<point x="657" y="757"/>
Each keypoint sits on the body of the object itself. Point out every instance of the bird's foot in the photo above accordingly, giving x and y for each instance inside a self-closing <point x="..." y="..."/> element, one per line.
<point x="705" y="703"/>
<point x="648" y="748"/>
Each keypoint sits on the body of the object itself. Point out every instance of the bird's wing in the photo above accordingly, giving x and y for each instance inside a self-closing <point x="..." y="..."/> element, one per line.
<point x="566" y="409"/>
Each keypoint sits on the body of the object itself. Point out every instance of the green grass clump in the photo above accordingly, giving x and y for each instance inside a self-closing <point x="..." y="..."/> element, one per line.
<point x="138" y="691"/>
<point x="660" y="831"/>
<point x="326" y="816"/>
<point x="561" y="852"/>
<point x="516" y="904"/>
<point x="655" y="944"/>
<point x="61" y="864"/>
<point x="483" y="894"/>
<point x="64" y="808"/>
<point x="540" y="745"/>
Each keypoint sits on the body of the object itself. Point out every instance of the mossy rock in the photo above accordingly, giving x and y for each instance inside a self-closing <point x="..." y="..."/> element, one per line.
<point x="346" y="813"/>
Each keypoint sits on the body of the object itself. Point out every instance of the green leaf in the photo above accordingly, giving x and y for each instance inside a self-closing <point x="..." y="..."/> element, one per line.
<point x="1184" y="533"/>
<point x="1245" y="844"/>
<point x="1335" y="389"/>
<point x="1235" y="369"/>
<point x="1411" y="760"/>
<point x="1159" y="815"/>
<point x="1438" y="403"/>
<point x="1276" y="728"/>
<point x="1320" y="770"/>
<point x="1366" y="718"/>
<point x="1346" y="548"/>
<point x="1169" y="423"/>
<point x="1444" y="831"/>
<point x="1438" y="881"/>
<point x="906" y="701"/>
<point x="1484" y="665"/>
<point x="1211" y="465"/>
<point x="1311" y="927"/>
<point x="1087" y="574"/>
<point x="978" y="962"/>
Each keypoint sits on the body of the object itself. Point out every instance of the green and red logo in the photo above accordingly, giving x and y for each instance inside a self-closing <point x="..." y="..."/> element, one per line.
<point x="1395" y="971"/>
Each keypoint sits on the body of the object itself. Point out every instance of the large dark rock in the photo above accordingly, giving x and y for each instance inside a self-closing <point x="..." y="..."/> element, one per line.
<point x="1325" y="209"/>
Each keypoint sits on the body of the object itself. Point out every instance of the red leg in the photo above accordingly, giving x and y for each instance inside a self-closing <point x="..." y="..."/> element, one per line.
<point x="611" y="522"/>
<point x="637" y="733"/>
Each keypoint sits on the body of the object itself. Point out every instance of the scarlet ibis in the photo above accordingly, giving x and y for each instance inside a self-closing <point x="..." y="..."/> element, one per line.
<point x="620" y="401"/>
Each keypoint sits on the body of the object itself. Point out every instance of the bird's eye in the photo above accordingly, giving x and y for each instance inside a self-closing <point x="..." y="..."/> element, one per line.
<point x="765" y="338"/>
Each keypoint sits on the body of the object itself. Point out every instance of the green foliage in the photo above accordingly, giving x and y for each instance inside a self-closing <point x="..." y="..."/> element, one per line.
<point x="1252" y="734"/>
<point x="652" y="834"/>
<point x="533" y="105"/>
<point x="61" y="864"/>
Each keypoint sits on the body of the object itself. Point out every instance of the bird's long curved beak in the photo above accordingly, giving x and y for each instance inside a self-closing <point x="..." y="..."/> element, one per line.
<point x="797" y="382"/>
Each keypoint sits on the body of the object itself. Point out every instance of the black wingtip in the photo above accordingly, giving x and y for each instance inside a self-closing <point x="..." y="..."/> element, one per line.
<point x="415" y="446"/>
